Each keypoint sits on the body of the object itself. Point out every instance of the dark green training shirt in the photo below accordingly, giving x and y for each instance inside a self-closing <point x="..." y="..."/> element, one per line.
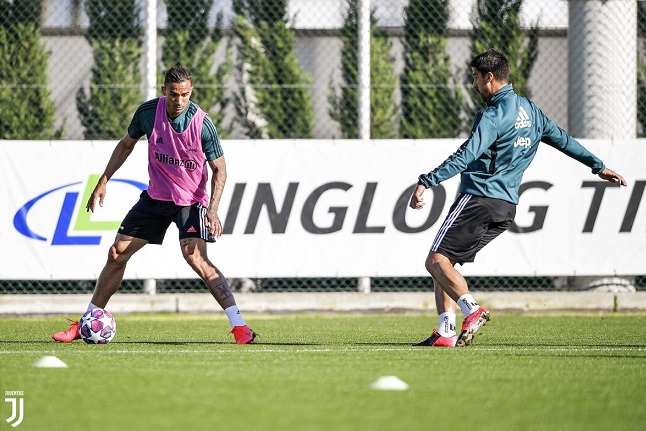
<point x="144" y="119"/>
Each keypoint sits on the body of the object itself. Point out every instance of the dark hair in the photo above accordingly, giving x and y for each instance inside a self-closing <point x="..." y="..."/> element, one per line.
<point x="492" y="61"/>
<point x="177" y="74"/>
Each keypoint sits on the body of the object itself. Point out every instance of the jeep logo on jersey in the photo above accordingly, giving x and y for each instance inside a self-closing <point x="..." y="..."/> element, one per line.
<point x="189" y="164"/>
<point x="523" y="142"/>
<point x="522" y="121"/>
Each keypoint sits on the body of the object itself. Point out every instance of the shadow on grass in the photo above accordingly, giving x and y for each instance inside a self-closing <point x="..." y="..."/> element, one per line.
<point x="515" y="349"/>
<point x="224" y="343"/>
<point x="633" y="351"/>
<point x="567" y="346"/>
<point x="382" y="344"/>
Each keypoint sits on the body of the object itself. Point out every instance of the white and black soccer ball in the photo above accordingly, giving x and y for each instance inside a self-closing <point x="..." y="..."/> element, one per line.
<point x="97" y="326"/>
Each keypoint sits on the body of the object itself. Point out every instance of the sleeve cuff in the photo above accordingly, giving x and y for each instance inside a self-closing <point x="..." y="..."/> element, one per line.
<point x="598" y="170"/>
<point x="422" y="180"/>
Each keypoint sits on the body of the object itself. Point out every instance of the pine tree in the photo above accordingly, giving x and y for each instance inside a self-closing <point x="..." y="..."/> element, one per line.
<point x="273" y="99"/>
<point x="641" y="67"/>
<point x="28" y="111"/>
<point x="431" y="97"/>
<point x="496" y="24"/>
<point x="115" y="84"/>
<point x="641" y="96"/>
<point x="344" y="108"/>
<point x="189" y="43"/>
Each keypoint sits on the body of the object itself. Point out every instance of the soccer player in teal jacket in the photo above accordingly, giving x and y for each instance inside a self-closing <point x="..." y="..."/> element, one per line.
<point x="503" y="141"/>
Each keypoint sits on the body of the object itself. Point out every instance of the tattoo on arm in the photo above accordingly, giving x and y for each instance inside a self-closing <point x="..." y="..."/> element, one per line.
<point x="218" y="180"/>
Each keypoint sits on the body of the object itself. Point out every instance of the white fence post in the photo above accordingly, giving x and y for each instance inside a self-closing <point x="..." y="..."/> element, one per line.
<point x="150" y="286"/>
<point x="364" y="69"/>
<point x="150" y="49"/>
<point x="602" y="43"/>
<point x="363" y="285"/>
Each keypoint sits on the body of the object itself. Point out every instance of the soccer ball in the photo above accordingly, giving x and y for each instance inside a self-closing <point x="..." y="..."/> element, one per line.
<point x="97" y="326"/>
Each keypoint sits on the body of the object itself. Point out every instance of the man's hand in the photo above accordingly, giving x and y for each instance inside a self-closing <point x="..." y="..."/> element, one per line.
<point x="612" y="176"/>
<point x="416" y="200"/>
<point x="119" y="155"/>
<point x="213" y="223"/>
<point x="98" y="193"/>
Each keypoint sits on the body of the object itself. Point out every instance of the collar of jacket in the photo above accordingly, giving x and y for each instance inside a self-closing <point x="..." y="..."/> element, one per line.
<point x="500" y="94"/>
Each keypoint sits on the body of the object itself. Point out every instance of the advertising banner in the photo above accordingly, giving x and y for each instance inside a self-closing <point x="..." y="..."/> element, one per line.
<point x="320" y="208"/>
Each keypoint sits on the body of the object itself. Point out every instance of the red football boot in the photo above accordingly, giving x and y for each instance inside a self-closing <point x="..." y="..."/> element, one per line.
<point x="471" y="324"/>
<point x="243" y="334"/>
<point x="70" y="334"/>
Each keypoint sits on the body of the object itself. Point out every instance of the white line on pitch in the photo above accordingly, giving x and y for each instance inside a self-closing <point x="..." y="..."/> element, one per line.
<point x="340" y="350"/>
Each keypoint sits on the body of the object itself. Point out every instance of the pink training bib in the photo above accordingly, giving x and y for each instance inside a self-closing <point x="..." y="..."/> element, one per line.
<point x="176" y="162"/>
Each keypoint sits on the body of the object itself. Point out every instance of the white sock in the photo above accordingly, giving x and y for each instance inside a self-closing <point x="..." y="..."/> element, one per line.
<point x="467" y="304"/>
<point x="91" y="307"/>
<point x="446" y="325"/>
<point x="235" y="318"/>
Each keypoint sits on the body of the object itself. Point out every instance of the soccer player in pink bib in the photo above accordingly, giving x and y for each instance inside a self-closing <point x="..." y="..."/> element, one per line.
<point x="182" y="145"/>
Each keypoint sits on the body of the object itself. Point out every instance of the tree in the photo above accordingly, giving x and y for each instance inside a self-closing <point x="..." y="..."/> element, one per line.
<point x="28" y="111"/>
<point x="496" y="24"/>
<point x="641" y="67"/>
<point x="115" y="83"/>
<point x="431" y="98"/>
<point x="344" y="108"/>
<point x="273" y="99"/>
<point x="189" y="43"/>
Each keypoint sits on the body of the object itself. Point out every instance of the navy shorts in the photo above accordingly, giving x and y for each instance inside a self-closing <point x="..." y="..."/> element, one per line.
<point x="472" y="222"/>
<point x="149" y="219"/>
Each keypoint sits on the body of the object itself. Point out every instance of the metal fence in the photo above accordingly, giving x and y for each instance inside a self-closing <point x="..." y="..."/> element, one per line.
<point x="379" y="284"/>
<point x="83" y="66"/>
<point x="77" y="69"/>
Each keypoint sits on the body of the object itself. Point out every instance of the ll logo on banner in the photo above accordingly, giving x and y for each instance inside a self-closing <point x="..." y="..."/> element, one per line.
<point x="17" y="406"/>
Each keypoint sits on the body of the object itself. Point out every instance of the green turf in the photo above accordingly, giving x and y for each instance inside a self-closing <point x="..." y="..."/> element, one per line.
<point x="313" y="372"/>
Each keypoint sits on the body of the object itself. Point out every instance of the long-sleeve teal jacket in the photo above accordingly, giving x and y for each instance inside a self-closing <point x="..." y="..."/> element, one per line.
<point x="503" y="141"/>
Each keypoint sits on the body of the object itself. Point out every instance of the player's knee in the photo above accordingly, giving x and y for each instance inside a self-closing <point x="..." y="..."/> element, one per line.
<point x="429" y="264"/>
<point x="196" y="260"/>
<point x="433" y="264"/>
<point x="192" y="259"/>
<point x="116" y="256"/>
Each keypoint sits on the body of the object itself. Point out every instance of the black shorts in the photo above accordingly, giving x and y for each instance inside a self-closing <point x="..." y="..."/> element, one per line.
<point x="149" y="219"/>
<point x="472" y="222"/>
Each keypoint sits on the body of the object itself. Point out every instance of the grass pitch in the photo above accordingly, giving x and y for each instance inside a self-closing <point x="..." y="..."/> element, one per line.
<point x="313" y="372"/>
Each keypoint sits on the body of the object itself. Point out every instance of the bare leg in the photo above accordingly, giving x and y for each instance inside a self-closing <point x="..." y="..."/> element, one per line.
<point x="194" y="251"/>
<point x="445" y="310"/>
<point x="455" y="286"/>
<point x="443" y="302"/>
<point x="444" y="273"/>
<point x="445" y="335"/>
<point x="110" y="278"/>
